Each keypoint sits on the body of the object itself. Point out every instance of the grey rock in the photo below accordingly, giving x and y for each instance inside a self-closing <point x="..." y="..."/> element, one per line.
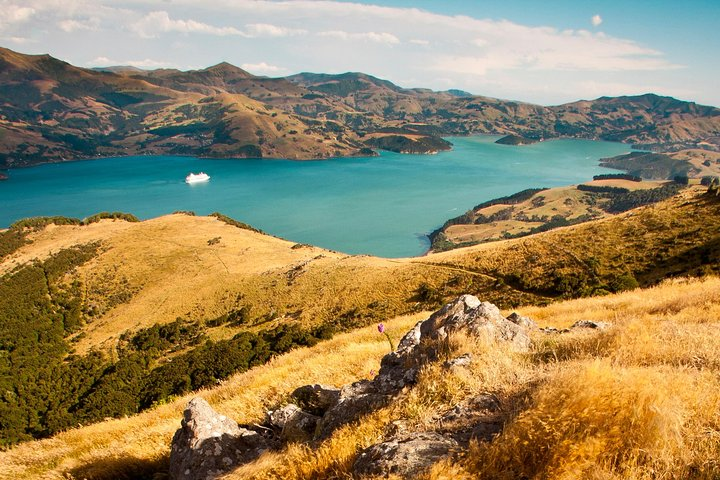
<point x="294" y="423"/>
<point x="462" y="361"/>
<point x="550" y="330"/>
<point x="591" y="324"/>
<point x="521" y="321"/>
<point x="316" y="399"/>
<point x="479" y="418"/>
<point x="356" y="400"/>
<point x="400" y="368"/>
<point x="479" y="318"/>
<point x="209" y="444"/>
<point x="406" y="455"/>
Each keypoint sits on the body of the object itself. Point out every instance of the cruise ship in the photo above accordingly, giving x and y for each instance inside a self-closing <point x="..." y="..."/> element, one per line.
<point x="197" y="177"/>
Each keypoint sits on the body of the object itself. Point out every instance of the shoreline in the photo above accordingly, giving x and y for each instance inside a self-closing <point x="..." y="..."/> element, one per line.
<point x="319" y="159"/>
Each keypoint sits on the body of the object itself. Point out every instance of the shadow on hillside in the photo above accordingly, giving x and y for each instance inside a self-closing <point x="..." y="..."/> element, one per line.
<point x="696" y="261"/>
<point x="123" y="468"/>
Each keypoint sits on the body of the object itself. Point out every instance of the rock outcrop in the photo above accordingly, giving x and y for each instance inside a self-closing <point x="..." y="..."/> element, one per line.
<point x="406" y="455"/>
<point x="292" y="423"/>
<point x="209" y="444"/>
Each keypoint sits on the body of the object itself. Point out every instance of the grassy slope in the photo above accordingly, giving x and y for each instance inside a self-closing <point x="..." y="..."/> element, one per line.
<point x="568" y="202"/>
<point x="159" y="270"/>
<point x="644" y="394"/>
<point x="649" y="243"/>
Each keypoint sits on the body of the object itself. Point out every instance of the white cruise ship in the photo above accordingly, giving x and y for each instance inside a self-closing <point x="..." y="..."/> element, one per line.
<point x="197" y="177"/>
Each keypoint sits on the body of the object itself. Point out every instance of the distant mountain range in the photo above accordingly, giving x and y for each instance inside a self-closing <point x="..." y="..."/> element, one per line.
<point x="52" y="111"/>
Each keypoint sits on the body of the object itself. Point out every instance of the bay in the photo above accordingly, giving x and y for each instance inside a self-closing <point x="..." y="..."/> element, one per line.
<point x="382" y="205"/>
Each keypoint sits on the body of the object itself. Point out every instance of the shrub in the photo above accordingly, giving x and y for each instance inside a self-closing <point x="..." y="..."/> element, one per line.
<point x="128" y="217"/>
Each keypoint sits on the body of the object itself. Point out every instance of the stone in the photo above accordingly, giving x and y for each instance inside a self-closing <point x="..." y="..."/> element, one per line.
<point x="407" y="455"/>
<point x="524" y="322"/>
<point x="479" y="418"/>
<point x="316" y="399"/>
<point x="478" y="318"/>
<point x="209" y="444"/>
<point x="295" y="425"/>
<point x="356" y="400"/>
<point x="591" y="324"/>
<point x="462" y="361"/>
<point x="400" y="368"/>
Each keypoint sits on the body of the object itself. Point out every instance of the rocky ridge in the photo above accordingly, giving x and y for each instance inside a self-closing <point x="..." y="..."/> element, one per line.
<point x="209" y="444"/>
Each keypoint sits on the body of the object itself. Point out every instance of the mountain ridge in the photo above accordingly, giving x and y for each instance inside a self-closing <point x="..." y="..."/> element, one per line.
<point x="52" y="111"/>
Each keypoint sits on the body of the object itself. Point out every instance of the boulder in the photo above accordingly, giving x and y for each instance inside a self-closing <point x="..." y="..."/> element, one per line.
<point x="407" y="455"/>
<point x="356" y="400"/>
<point x="482" y="319"/>
<point x="521" y="321"/>
<point x="316" y="399"/>
<point x="400" y="368"/>
<point x="462" y="361"/>
<point x="293" y="423"/>
<point x="479" y="418"/>
<point x="591" y="324"/>
<point x="209" y="444"/>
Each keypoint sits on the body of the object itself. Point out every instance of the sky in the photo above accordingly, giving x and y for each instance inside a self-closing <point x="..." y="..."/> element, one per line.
<point x="547" y="52"/>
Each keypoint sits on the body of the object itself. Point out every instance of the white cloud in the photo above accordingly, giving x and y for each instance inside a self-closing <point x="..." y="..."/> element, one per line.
<point x="596" y="20"/>
<point x="269" y="30"/>
<point x="101" y="62"/>
<point x="158" y="22"/>
<point x="382" y="37"/>
<point x="72" y="25"/>
<point x="485" y="56"/>
<point x="17" y="40"/>
<point x="146" y="63"/>
<point x="12" y="14"/>
<point x="263" y="68"/>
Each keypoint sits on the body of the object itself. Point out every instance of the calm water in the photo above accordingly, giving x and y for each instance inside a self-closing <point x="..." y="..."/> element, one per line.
<point x="382" y="205"/>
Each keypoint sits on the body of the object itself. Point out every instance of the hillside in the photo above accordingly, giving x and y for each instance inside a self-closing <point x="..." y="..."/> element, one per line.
<point x="644" y="389"/>
<point x="51" y="111"/>
<point x="129" y="314"/>
<point x="540" y="209"/>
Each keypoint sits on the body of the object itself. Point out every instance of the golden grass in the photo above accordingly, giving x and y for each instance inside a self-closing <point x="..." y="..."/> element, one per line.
<point x="117" y="448"/>
<point x="652" y="242"/>
<point x="639" y="401"/>
<point x="600" y="421"/>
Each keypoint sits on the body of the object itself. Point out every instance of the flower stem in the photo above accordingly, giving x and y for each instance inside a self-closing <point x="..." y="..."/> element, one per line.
<point x="392" y="347"/>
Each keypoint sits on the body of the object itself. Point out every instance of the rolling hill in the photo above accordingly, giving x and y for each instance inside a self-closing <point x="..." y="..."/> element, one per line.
<point x="51" y="111"/>
<point x="128" y="314"/>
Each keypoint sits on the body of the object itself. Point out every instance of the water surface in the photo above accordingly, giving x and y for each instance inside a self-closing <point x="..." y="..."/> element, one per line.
<point x="382" y="205"/>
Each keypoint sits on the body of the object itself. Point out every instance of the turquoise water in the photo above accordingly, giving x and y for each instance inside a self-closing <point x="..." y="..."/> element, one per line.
<point x="382" y="205"/>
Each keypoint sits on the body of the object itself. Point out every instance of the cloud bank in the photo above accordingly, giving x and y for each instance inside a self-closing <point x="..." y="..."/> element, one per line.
<point x="409" y="46"/>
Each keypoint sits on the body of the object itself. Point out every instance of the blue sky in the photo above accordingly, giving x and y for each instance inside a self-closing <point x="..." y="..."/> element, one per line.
<point x="546" y="52"/>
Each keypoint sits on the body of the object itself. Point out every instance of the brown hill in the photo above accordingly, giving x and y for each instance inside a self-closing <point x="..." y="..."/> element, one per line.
<point x="51" y="111"/>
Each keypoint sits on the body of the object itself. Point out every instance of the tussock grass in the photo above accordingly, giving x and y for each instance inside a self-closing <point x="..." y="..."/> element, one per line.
<point x="139" y="445"/>
<point x="638" y="401"/>
<point x="594" y="420"/>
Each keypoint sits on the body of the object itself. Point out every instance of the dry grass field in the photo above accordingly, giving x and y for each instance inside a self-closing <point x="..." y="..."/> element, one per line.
<point x="639" y="400"/>
<point x="198" y="268"/>
<point x="569" y="203"/>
